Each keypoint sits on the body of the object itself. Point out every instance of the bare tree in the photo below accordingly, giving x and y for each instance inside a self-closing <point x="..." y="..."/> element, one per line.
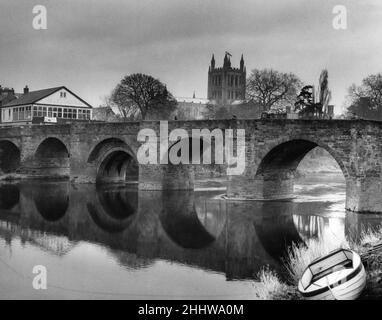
<point x="270" y="88"/>
<point x="139" y="96"/>
<point x="365" y="101"/>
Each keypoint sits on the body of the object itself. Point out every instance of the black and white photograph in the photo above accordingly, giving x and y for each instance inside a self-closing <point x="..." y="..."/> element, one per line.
<point x="215" y="151"/>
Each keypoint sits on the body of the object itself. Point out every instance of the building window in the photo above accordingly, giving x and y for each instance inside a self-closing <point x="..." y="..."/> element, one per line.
<point x="81" y="114"/>
<point x="21" y="113"/>
<point x="63" y="94"/>
<point x="28" y="113"/>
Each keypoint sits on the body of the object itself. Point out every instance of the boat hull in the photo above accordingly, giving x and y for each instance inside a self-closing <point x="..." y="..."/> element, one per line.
<point x="347" y="286"/>
<point x="349" y="290"/>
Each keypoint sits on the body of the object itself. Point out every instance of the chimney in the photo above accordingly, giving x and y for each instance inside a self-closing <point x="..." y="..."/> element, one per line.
<point x="26" y="90"/>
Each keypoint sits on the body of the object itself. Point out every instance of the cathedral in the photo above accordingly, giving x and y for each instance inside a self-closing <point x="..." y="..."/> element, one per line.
<point x="226" y="84"/>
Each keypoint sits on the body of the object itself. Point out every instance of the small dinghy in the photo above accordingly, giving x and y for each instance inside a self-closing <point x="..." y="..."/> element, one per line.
<point x="340" y="275"/>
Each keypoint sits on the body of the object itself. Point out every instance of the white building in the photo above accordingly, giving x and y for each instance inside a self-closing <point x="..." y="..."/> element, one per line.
<point x="53" y="105"/>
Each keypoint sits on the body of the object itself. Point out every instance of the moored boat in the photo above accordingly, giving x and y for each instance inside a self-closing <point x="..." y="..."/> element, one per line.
<point x="340" y="275"/>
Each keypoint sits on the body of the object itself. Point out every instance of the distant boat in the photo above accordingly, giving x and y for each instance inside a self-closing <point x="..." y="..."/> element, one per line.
<point x="340" y="275"/>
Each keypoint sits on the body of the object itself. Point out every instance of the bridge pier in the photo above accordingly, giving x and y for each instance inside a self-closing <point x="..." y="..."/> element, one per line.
<point x="166" y="177"/>
<point x="269" y="186"/>
<point x="364" y="195"/>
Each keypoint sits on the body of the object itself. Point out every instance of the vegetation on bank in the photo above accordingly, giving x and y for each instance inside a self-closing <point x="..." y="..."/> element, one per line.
<point x="270" y="286"/>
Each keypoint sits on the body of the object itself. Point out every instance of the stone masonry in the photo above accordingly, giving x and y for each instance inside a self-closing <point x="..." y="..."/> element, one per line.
<point x="103" y="152"/>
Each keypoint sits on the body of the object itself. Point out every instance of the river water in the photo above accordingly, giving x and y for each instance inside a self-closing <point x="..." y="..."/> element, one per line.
<point x="117" y="242"/>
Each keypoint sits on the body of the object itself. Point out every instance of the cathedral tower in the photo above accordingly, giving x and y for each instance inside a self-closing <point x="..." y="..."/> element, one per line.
<point x="226" y="84"/>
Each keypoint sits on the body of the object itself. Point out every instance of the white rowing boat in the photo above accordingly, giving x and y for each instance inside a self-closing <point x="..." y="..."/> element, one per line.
<point x="340" y="275"/>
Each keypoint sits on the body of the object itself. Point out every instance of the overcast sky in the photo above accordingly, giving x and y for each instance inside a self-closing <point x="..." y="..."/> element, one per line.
<point x="91" y="44"/>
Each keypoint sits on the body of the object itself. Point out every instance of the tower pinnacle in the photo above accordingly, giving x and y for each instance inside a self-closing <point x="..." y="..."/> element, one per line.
<point x="242" y="62"/>
<point x="213" y="62"/>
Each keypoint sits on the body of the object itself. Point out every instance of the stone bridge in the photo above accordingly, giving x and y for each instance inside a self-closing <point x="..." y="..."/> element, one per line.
<point x="106" y="152"/>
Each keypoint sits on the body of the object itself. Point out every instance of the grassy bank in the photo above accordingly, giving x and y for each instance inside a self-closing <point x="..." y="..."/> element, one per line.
<point x="270" y="286"/>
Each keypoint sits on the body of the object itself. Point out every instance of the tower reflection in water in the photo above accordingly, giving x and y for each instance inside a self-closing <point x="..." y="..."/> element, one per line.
<point x="187" y="228"/>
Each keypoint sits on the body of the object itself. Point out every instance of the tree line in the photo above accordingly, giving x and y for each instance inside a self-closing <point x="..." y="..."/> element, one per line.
<point x="140" y="96"/>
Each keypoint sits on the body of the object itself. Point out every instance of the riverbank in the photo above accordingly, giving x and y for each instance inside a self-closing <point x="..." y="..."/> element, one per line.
<point x="271" y="287"/>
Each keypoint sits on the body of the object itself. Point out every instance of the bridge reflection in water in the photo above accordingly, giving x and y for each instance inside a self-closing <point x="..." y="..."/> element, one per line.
<point x="139" y="228"/>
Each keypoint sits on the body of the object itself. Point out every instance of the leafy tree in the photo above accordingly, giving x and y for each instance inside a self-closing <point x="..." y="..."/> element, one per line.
<point x="140" y="96"/>
<point x="306" y="103"/>
<point x="305" y="100"/>
<point x="270" y="88"/>
<point x="365" y="101"/>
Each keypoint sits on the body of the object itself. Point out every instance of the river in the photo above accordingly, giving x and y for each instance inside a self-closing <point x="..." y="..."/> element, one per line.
<point x="117" y="242"/>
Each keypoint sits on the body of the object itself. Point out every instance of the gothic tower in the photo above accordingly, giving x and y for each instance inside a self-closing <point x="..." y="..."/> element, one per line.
<point x="226" y="84"/>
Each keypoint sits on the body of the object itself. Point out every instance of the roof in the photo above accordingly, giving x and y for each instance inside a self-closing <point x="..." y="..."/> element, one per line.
<point x="32" y="97"/>
<point x="35" y="96"/>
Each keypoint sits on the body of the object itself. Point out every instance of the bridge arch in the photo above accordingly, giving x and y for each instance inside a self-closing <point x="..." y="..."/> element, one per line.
<point x="9" y="156"/>
<point x="276" y="171"/>
<point x="179" y="173"/>
<point x="52" y="158"/>
<point x="114" y="161"/>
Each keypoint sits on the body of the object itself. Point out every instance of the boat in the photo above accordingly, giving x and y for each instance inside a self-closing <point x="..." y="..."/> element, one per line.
<point x="340" y="275"/>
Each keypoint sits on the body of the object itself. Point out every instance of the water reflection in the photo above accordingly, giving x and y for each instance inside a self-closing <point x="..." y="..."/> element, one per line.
<point x="114" y="209"/>
<point x="181" y="222"/>
<point x="51" y="200"/>
<point x="276" y="228"/>
<point x="9" y="196"/>
<point x="139" y="228"/>
<point x="358" y="224"/>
